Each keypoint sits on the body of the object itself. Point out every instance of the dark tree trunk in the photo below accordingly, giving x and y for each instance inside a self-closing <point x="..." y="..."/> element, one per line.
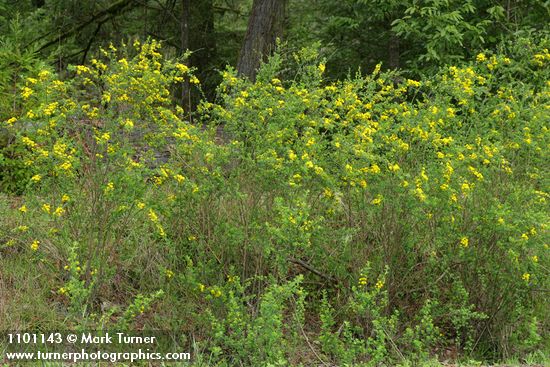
<point x="393" y="51"/>
<point x="38" y="3"/>
<point x="196" y="34"/>
<point x="184" y="44"/>
<point x="264" y="26"/>
<point x="203" y="44"/>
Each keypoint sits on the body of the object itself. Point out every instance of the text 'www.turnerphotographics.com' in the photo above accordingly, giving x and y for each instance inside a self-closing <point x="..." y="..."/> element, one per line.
<point x="90" y="346"/>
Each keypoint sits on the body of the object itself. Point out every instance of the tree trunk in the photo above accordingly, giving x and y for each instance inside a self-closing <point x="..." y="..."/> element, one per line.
<point x="393" y="51"/>
<point x="184" y="43"/>
<point x="203" y="44"/>
<point x="264" y="26"/>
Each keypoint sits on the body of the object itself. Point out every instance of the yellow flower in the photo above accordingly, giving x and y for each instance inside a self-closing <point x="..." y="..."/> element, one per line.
<point x="11" y="121"/>
<point x="36" y="178"/>
<point x="23" y="209"/>
<point x="526" y="277"/>
<point x="81" y="69"/>
<point x="123" y="62"/>
<point x="363" y="281"/>
<point x="179" y="178"/>
<point x="500" y="220"/>
<point x="377" y="200"/>
<point x="524" y="236"/>
<point x="43" y="74"/>
<point x="535" y="259"/>
<point x="162" y="233"/>
<point x="394" y="167"/>
<point x="169" y="273"/>
<point x="65" y="198"/>
<point x="424" y="175"/>
<point x="464" y="242"/>
<point x="419" y="193"/>
<point x="110" y="187"/>
<point x="291" y="155"/>
<point x="182" y="68"/>
<point x="59" y="211"/>
<point x="481" y="57"/>
<point x="26" y="92"/>
<point x="153" y="216"/>
<point x="50" y="109"/>
<point x="128" y="124"/>
<point x="403" y="146"/>
<point x="215" y="292"/>
<point x="379" y="284"/>
<point x="413" y="83"/>
<point x="28" y="142"/>
<point x="34" y="245"/>
<point x="103" y="138"/>
<point x="106" y="97"/>
<point x="322" y="68"/>
<point x="46" y="208"/>
<point x="476" y="173"/>
<point x="65" y="166"/>
<point x="23" y="228"/>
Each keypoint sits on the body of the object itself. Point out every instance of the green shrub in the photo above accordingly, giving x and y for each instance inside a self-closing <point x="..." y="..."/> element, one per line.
<point x="413" y="214"/>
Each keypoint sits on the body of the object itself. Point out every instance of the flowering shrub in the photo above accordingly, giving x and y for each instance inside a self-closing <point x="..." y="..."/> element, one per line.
<point x="413" y="214"/>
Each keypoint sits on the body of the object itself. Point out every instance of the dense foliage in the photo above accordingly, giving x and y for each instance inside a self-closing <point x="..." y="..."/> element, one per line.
<point x="375" y="219"/>
<point x="376" y="194"/>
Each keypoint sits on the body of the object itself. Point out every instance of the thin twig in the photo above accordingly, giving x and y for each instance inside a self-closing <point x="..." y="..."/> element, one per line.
<point x="311" y="347"/>
<point x="312" y="269"/>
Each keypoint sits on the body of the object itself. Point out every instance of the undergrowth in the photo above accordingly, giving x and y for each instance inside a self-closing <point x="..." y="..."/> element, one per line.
<point x="372" y="221"/>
